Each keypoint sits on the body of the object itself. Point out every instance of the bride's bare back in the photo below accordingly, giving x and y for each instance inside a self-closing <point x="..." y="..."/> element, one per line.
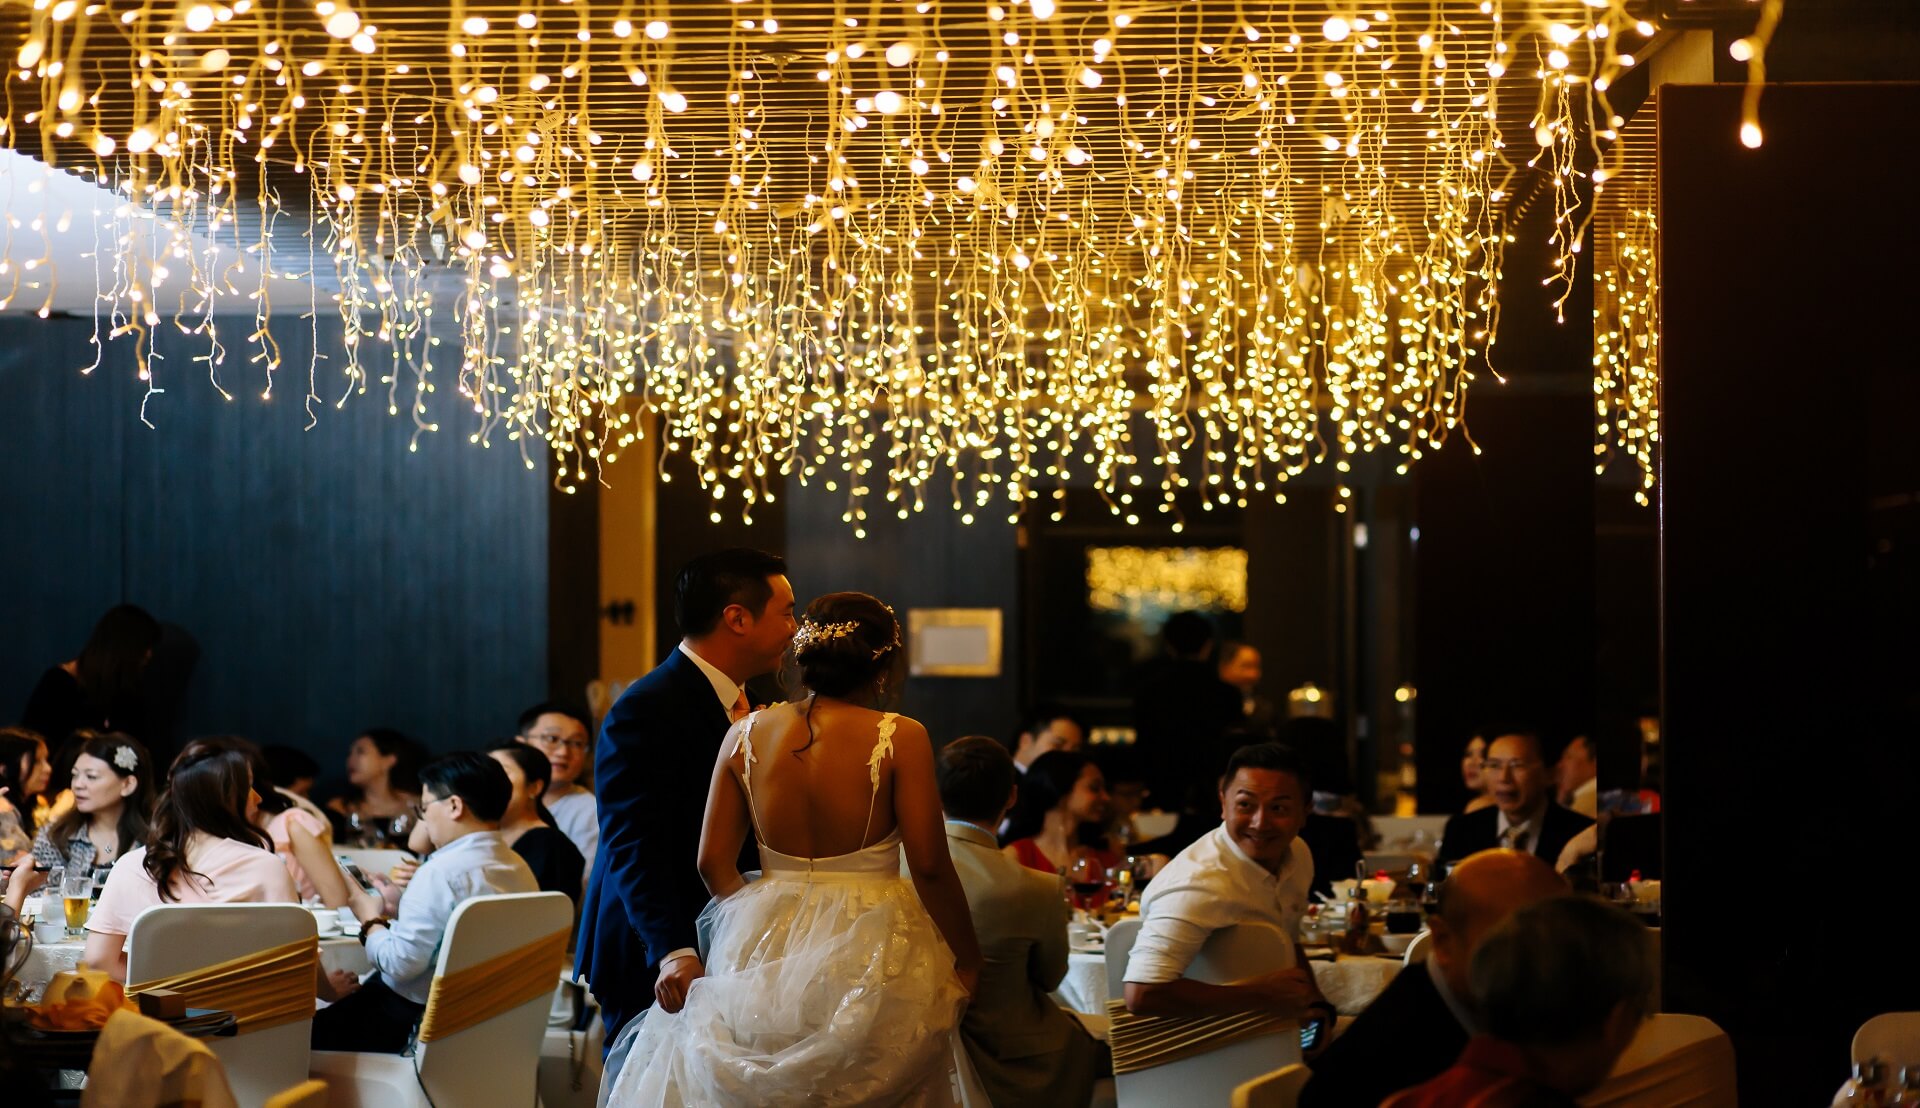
<point x="823" y="794"/>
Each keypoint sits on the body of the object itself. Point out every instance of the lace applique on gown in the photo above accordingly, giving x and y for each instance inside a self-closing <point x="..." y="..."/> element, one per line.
<point x="827" y="983"/>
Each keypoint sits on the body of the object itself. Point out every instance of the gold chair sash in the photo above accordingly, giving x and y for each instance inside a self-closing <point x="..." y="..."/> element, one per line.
<point x="264" y="989"/>
<point x="465" y="998"/>
<point x="1142" y="1042"/>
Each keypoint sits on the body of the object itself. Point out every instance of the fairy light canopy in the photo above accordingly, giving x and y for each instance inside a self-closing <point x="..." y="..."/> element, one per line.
<point x="912" y="252"/>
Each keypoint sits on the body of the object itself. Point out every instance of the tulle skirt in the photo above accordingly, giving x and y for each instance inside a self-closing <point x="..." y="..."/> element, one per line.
<point x="830" y="988"/>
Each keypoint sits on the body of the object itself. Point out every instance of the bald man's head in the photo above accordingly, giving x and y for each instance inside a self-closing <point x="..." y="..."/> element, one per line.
<point x="1479" y="893"/>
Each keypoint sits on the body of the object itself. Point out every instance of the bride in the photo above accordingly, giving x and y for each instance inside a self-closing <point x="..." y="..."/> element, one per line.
<point x="827" y="981"/>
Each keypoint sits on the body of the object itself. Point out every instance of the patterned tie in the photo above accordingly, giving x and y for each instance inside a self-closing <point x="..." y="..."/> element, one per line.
<point x="740" y="708"/>
<point x="1516" y="838"/>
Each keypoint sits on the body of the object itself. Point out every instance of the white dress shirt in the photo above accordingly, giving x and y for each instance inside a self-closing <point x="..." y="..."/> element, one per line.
<point x="478" y="863"/>
<point x="729" y="692"/>
<point x="1529" y="827"/>
<point x="724" y="687"/>
<point x="1206" y="887"/>
<point x="578" y="815"/>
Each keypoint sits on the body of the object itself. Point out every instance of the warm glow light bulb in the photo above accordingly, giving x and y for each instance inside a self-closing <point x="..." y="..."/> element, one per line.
<point x="199" y="18"/>
<point x="1336" y="29"/>
<point x="658" y="29"/>
<point x="900" y="54"/>
<point x="1750" y="135"/>
<point x="1741" y="49"/>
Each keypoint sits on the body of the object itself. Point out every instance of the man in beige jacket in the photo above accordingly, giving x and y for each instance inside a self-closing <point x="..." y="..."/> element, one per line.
<point x="1027" y="1049"/>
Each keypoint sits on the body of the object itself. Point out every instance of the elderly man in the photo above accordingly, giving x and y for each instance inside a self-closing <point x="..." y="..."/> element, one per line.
<point x="1419" y="1025"/>
<point x="1562" y="987"/>
<point x="1026" y="1049"/>
<point x="1253" y="868"/>
<point x="1524" y="816"/>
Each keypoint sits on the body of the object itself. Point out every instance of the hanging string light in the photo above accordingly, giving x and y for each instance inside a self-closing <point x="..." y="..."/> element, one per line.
<point x="909" y="252"/>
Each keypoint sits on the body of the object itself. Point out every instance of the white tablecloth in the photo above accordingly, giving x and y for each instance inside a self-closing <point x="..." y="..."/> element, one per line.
<point x="1350" y="983"/>
<point x="47" y="959"/>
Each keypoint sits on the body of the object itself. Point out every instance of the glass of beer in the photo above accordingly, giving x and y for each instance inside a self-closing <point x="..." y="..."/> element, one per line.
<point x="76" y="892"/>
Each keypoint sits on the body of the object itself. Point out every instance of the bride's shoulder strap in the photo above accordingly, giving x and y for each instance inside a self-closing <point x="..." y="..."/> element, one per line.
<point x="882" y="748"/>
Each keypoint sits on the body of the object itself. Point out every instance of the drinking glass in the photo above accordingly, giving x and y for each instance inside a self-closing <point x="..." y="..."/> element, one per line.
<point x="1089" y="884"/>
<point x="76" y="894"/>
<point x="1120" y="881"/>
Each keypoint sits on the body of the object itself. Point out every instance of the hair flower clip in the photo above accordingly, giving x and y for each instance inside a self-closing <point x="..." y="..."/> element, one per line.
<point x="125" y="758"/>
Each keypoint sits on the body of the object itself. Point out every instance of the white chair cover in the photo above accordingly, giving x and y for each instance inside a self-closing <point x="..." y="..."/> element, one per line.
<point x="1279" y="1089"/>
<point x="178" y="938"/>
<point x="1892" y="1037"/>
<point x="1418" y="949"/>
<point x="1231" y="955"/>
<point x="1120" y="944"/>
<point x="494" y="1064"/>
<point x="1675" y="1061"/>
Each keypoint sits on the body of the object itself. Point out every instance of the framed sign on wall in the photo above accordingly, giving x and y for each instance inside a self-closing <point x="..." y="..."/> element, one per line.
<point x="953" y="642"/>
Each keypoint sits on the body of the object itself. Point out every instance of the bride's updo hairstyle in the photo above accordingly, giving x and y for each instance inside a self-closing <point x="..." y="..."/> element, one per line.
<point x="846" y="642"/>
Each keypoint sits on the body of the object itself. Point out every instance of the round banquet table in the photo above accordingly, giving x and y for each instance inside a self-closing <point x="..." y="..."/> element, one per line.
<point x="1350" y="983"/>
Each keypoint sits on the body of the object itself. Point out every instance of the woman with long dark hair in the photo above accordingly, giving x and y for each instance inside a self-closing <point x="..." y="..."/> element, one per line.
<point x="98" y="690"/>
<point x="383" y="782"/>
<point x="530" y="829"/>
<point x="203" y="848"/>
<point x="112" y="803"/>
<point x="23" y="774"/>
<point x="1061" y="814"/>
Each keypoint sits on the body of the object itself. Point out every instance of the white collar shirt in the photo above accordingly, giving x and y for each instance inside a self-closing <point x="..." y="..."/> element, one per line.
<point x="479" y="863"/>
<point x="723" y="686"/>
<point x="1209" y="886"/>
<point x="1530" y="827"/>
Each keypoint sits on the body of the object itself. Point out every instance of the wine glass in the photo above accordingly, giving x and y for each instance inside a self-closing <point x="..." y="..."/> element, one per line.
<point x="1089" y="883"/>
<point x="1120" y="880"/>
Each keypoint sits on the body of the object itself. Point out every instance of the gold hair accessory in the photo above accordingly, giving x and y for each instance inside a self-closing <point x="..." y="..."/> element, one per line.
<point x="813" y="634"/>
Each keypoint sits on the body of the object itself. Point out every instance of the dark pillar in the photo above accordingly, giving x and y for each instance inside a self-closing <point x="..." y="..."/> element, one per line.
<point x="1790" y="546"/>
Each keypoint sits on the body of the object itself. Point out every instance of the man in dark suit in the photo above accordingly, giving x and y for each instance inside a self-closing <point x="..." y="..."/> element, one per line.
<point x="1524" y="816"/>
<point x="652" y="767"/>
<point x="1419" y="1025"/>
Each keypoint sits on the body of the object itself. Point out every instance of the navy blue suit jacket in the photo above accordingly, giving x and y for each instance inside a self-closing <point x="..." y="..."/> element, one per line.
<point x="652" y="767"/>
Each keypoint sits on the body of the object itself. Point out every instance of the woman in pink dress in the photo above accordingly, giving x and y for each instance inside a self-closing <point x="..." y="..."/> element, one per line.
<point x="203" y="849"/>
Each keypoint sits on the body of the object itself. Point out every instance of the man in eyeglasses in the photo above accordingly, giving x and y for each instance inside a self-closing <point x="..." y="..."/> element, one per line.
<point x="1524" y="816"/>
<point x="562" y="734"/>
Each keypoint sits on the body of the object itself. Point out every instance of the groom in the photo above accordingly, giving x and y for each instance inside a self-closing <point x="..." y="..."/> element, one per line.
<point x="652" y="767"/>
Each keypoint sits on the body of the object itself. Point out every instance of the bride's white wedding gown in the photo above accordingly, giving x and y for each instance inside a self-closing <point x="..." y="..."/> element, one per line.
<point x="826" y="983"/>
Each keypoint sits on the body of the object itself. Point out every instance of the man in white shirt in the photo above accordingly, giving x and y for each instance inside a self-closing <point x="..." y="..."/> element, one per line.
<point x="462" y="797"/>
<point x="1251" y="869"/>
<point x="562" y="734"/>
<point x="1578" y="774"/>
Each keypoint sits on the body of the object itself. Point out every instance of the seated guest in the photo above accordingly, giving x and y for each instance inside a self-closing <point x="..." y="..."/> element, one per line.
<point x="528" y="827"/>
<point x="1561" y="987"/>
<point x="1420" y="1024"/>
<point x="203" y="848"/>
<point x="112" y="785"/>
<point x="300" y="834"/>
<point x="1473" y="775"/>
<point x="1026" y="1049"/>
<point x="1523" y="817"/>
<point x="23" y="773"/>
<point x="1253" y="868"/>
<point x="1048" y="729"/>
<point x="1060" y="815"/>
<point x="383" y="781"/>
<point x="563" y="735"/>
<point x="293" y="770"/>
<point x="1577" y="777"/>
<point x="462" y="799"/>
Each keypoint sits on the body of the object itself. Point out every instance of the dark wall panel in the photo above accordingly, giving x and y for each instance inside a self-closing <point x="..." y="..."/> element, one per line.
<point x="332" y="578"/>
<point x="930" y="560"/>
<point x="1790" y="583"/>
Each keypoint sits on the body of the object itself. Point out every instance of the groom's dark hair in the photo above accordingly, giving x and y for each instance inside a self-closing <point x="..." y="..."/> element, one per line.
<point x="712" y="582"/>
<point x="975" y="776"/>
